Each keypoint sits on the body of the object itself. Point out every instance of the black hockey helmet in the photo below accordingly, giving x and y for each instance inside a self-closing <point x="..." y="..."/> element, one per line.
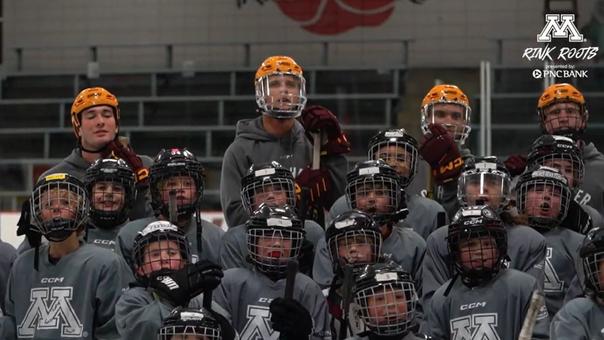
<point x="385" y="287"/>
<point x="548" y="150"/>
<point x="407" y="152"/>
<point x="59" y="206"/>
<point x="487" y="175"/>
<point x="270" y="232"/>
<point x="546" y="184"/>
<point x="371" y="179"/>
<point x="266" y="179"/>
<point x="171" y="163"/>
<point x="475" y="228"/>
<point x="107" y="172"/>
<point x="592" y="253"/>
<point x="190" y="321"/>
<point x="349" y="232"/>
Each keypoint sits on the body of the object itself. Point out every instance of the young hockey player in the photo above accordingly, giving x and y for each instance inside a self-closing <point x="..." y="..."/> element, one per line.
<point x="562" y="110"/>
<point x="252" y="297"/>
<point x="272" y="185"/>
<point x="484" y="181"/>
<point x="110" y="184"/>
<point x="543" y="196"/>
<point x="385" y="302"/>
<point x="561" y="153"/>
<point x="583" y="318"/>
<point x="276" y="135"/>
<point x="165" y="279"/>
<point x="73" y="287"/>
<point x="399" y="150"/>
<point x="374" y="188"/>
<point x="483" y="300"/>
<point x="176" y="172"/>
<point x="445" y="123"/>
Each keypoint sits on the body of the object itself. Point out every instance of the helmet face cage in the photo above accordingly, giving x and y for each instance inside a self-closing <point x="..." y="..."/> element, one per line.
<point x="270" y="186"/>
<point x="189" y="322"/>
<point x="290" y="100"/>
<point x="161" y="247"/>
<point x="378" y="195"/>
<point x="60" y="206"/>
<point x="271" y="247"/>
<point x="478" y="249"/>
<point x="461" y="132"/>
<point x="387" y="308"/>
<point x="569" y="164"/>
<point x="110" y="184"/>
<point x="593" y="265"/>
<point x="400" y="155"/>
<point x="491" y="187"/>
<point x="576" y="119"/>
<point x="545" y="201"/>
<point x="355" y="247"/>
<point x="168" y="166"/>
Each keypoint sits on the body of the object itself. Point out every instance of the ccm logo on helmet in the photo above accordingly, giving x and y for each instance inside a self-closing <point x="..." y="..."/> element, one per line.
<point x="472" y="305"/>
<point x="52" y="280"/>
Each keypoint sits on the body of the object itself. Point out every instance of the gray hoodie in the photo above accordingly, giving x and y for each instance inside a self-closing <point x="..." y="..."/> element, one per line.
<point x="592" y="189"/>
<point x="253" y="145"/>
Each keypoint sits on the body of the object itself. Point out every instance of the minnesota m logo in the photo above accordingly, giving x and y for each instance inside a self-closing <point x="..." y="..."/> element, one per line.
<point x="475" y="327"/>
<point x="258" y="325"/>
<point x="566" y="29"/>
<point x="60" y="313"/>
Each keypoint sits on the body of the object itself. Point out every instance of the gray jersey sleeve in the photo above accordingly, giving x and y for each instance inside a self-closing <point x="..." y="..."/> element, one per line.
<point x="322" y="270"/>
<point x="435" y="267"/>
<point x="579" y="319"/>
<point x="233" y="169"/>
<point x="233" y="251"/>
<point x="338" y="207"/>
<point x="112" y="282"/>
<point x="527" y="250"/>
<point x="139" y="314"/>
<point x="425" y="215"/>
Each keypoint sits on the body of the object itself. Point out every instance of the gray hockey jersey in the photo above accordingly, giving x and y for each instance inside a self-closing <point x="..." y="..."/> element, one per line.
<point x="234" y="249"/>
<point x="211" y="238"/>
<point x="561" y="264"/>
<point x="423" y="214"/>
<point x="592" y="188"/>
<point x="579" y="319"/>
<point x="494" y="311"/>
<point x="246" y="296"/>
<point x="526" y="249"/>
<point x="404" y="246"/>
<point x="74" y="298"/>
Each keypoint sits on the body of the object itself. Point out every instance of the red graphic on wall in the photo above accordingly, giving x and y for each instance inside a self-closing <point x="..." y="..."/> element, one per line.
<point x="330" y="17"/>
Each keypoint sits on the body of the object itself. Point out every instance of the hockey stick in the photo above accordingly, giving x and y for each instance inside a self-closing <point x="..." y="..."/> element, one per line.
<point x="526" y="333"/>
<point x="316" y="150"/>
<point x="290" y="281"/>
<point x="347" y="284"/>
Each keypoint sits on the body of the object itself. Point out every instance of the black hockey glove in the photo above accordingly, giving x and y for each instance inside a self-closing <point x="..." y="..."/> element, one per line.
<point x="290" y="319"/>
<point x="180" y="286"/>
<point x="577" y="219"/>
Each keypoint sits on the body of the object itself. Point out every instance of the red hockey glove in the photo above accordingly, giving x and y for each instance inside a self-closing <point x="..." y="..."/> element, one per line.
<point x="318" y="184"/>
<point x="515" y="164"/>
<point x="117" y="149"/>
<point x="317" y="118"/>
<point x="440" y="151"/>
